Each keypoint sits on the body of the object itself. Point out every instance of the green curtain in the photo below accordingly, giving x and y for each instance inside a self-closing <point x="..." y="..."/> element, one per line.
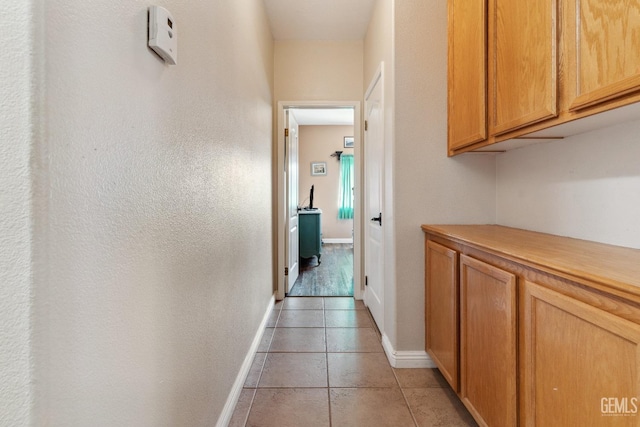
<point x="345" y="209"/>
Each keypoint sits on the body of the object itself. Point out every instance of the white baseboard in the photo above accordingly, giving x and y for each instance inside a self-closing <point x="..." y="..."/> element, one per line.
<point x="346" y="240"/>
<point x="236" y="389"/>
<point x="406" y="359"/>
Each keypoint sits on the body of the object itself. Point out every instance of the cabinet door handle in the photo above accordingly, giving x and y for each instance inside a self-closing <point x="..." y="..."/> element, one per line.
<point x="378" y="218"/>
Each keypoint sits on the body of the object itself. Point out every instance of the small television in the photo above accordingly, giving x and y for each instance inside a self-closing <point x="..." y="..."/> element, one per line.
<point x="311" y="198"/>
<point x="310" y="207"/>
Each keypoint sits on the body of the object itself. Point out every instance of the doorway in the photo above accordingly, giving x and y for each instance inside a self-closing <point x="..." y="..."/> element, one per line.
<point x="318" y="145"/>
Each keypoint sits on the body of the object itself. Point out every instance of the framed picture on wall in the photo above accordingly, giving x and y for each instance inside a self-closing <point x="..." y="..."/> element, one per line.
<point x="348" y="142"/>
<point x="318" y="168"/>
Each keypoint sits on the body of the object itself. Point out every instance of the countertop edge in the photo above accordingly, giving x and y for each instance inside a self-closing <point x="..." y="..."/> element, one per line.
<point x="589" y="277"/>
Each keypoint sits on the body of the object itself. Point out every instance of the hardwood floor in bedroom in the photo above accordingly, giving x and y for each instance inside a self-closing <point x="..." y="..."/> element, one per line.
<point x="333" y="277"/>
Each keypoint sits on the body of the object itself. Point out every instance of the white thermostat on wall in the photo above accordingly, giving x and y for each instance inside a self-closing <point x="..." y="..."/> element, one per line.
<point x="163" y="34"/>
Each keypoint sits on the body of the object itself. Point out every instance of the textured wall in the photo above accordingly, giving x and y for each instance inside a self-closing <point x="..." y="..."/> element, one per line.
<point x="158" y="211"/>
<point x="457" y="190"/>
<point x="318" y="70"/>
<point x="317" y="143"/>
<point x="378" y="42"/>
<point x="586" y="186"/>
<point x="422" y="184"/>
<point x="378" y="48"/>
<point x="16" y="76"/>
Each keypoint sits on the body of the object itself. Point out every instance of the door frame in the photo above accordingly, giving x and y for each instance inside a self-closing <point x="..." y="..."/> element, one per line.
<point x="280" y="208"/>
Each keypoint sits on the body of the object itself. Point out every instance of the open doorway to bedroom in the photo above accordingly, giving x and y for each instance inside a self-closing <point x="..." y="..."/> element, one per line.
<point x="325" y="194"/>
<point x="321" y="255"/>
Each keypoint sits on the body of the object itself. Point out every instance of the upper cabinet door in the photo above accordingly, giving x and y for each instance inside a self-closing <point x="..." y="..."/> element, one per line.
<point x="604" y="38"/>
<point x="467" y="72"/>
<point x="524" y="44"/>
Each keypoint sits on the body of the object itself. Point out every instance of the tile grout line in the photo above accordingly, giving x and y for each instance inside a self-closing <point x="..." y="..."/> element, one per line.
<point x="393" y="371"/>
<point x="404" y="396"/>
<point x="326" y="352"/>
<point x="253" y="398"/>
<point x="415" y="412"/>
<point x="255" y="392"/>
<point x="326" y="357"/>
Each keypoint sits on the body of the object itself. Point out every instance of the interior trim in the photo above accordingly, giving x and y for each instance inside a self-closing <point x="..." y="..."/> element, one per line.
<point x="406" y="359"/>
<point x="236" y="389"/>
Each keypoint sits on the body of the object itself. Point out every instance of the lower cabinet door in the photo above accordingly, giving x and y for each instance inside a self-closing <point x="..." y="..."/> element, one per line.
<point x="580" y="365"/>
<point x="441" y="302"/>
<point x="488" y="340"/>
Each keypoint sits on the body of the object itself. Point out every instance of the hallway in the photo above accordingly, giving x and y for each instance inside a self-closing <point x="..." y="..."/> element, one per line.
<point x="321" y="363"/>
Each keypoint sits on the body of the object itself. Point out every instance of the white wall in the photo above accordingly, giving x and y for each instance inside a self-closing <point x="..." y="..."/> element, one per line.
<point x="158" y="198"/>
<point x="586" y="186"/>
<point x="379" y="55"/>
<point x="455" y="191"/>
<point x="318" y="70"/>
<point x="16" y="127"/>
<point x="427" y="187"/>
<point x="316" y="144"/>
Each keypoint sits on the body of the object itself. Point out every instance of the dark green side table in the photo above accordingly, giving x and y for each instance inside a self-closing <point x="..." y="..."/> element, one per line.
<point x="310" y="233"/>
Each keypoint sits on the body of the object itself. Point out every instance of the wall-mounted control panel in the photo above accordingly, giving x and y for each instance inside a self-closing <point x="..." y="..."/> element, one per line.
<point x="163" y="34"/>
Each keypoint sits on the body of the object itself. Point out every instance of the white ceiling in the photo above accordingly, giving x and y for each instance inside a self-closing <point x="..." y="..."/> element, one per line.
<point x="319" y="19"/>
<point x="323" y="116"/>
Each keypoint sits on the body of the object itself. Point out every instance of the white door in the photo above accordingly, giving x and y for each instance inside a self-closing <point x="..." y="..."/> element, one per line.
<point x="374" y="187"/>
<point x="291" y="173"/>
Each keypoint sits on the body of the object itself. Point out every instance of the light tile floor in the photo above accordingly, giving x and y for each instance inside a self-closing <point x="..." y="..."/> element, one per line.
<point x="321" y="363"/>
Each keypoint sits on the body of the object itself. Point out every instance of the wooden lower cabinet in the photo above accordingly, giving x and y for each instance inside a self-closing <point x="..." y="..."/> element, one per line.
<point x="441" y="309"/>
<point x="532" y="329"/>
<point x="579" y="363"/>
<point x="488" y="342"/>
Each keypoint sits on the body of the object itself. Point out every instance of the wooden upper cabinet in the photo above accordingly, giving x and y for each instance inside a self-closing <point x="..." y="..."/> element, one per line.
<point x="441" y="307"/>
<point x="517" y="67"/>
<point x="467" y="114"/>
<point x="523" y="48"/>
<point x="603" y="41"/>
